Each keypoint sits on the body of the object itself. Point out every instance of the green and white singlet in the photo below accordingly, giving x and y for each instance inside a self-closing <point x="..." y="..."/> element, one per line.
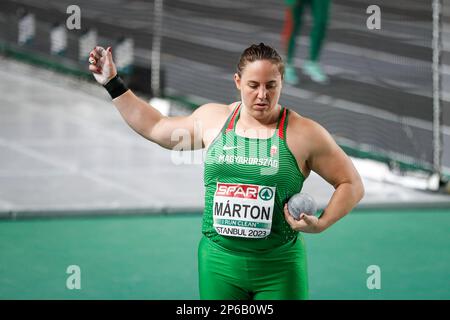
<point x="247" y="182"/>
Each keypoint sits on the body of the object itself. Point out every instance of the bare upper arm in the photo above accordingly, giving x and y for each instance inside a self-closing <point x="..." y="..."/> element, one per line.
<point x="316" y="150"/>
<point x="327" y="159"/>
<point x="187" y="132"/>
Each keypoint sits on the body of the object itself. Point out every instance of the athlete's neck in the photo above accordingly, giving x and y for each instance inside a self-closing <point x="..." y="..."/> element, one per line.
<point x="267" y="120"/>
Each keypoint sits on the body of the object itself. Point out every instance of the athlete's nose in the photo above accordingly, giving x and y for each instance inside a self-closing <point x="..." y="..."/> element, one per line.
<point x="262" y="93"/>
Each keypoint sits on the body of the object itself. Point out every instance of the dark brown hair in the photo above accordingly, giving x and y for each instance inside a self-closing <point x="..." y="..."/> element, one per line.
<point x="260" y="52"/>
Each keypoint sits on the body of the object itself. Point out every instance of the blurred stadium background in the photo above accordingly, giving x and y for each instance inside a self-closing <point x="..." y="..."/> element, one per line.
<point x="65" y="151"/>
<point x="389" y="117"/>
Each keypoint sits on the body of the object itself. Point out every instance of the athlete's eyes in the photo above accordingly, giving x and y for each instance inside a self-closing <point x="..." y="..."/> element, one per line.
<point x="269" y="86"/>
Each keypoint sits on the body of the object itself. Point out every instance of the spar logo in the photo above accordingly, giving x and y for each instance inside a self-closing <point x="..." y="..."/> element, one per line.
<point x="237" y="190"/>
<point x="266" y="194"/>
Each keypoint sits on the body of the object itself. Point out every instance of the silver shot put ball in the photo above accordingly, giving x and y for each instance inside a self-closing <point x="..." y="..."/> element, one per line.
<point x="301" y="202"/>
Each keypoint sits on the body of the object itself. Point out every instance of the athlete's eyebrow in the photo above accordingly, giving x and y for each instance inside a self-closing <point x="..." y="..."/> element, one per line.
<point x="256" y="82"/>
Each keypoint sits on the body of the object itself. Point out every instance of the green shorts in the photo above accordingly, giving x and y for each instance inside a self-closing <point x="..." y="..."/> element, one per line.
<point x="280" y="274"/>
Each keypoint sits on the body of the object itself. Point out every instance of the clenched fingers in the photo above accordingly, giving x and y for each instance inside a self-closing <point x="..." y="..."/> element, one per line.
<point x="95" y="69"/>
<point x="96" y="54"/>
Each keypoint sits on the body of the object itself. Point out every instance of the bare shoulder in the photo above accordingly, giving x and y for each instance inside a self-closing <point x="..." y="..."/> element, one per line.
<point x="299" y="125"/>
<point x="212" y="117"/>
<point x="212" y="114"/>
<point x="303" y="137"/>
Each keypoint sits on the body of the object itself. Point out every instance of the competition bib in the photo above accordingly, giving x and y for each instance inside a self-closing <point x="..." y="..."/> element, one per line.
<point x="243" y="210"/>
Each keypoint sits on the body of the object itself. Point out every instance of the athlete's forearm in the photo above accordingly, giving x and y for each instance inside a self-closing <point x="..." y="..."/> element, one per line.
<point x="138" y="114"/>
<point x="344" y="199"/>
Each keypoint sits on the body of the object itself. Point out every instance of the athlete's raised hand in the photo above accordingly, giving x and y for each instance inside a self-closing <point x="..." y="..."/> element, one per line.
<point x="102" y="65"/>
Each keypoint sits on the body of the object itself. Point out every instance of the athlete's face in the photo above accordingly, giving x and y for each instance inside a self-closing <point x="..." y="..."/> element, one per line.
<point x="260" y="85"/>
